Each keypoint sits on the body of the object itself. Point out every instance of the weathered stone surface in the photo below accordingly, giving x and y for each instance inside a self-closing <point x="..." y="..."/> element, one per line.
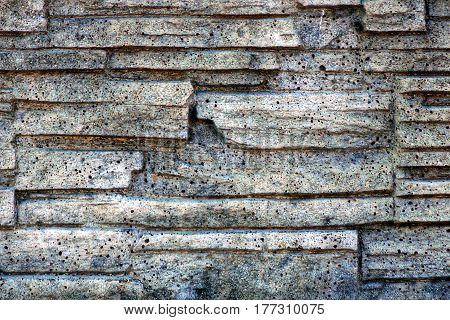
<point x="173" y="32"/>
<point x="408" y="252"/>
<point x="248" y="241"/>
<point x="439" y="8"/>
<point x="91" y="88"/>
<point x="423" y="187"/>
<point x="329" y="3"/>
<point x="418" y="290"/>
<point x="422" y="210"/>
<point x="7" y="159"/>
<point x="22" y="15"/>
<point x="7" y="207"/>
<point x="108" y="119"/>
<point x="7" y="154"/>
<point x="64" y="250"/>
<point x="329" y="82"/>
<point x="419" y="109"/>
<point x="194" y="60"/>
<point x="424" y="159"/>
<point x="203" y="171"/>
<point x="319" y="61"/>
<point x="52" y="59"/>
<point x="387" y="15"/>
<point x="424" y="84"/>
<point x="198" y="7"/>
<point x="428" y="135"/>
<point x="249" y="276"/>
<point x="299" y="120"/>
<point x="66" y="169"/>
<point x="69" y="288"/>
<point x="210" y="213"/>
<point x="406" y="61"/>
<point x="434" y="38"/>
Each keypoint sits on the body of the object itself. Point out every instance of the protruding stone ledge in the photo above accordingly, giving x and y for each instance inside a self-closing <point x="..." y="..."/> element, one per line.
<point x="300" y="120"/>
<point x="207" y="213"/>
<point x="422" y="210"/>
<point x="59" y="250"/>
<point x="66" y="169"/>
<point x="249" y="241"/>
<point x="51" y="287"/>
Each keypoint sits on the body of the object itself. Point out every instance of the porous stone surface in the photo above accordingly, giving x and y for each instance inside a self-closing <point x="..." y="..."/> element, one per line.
<point x="224" y="149"/>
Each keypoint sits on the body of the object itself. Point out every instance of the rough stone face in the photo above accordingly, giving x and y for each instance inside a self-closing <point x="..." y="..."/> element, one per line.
<point x="195" y="60"/>
<point x="187" y="7"/>
<point x="248" y="241"/>
<point x="22" y="16"/>
<point x="249" y="276"/>
<point x="299" y="120"/>
<point x="52" y="59"/>
<point x="58" y="250"/>
<point x="69" y="288"/>
<point x="420" y="290"/>
<point x="211" y="213"/>
<point x="62" y="169"/>
<point x="214" y="171"/>
<point x="224" y="149"/>
<point x="409" y="252"/>
<point x="7" y="207"/>
<point x="387" y="15"/>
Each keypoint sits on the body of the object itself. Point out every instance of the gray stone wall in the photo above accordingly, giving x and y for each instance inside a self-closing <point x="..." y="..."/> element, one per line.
<point x="224" y="149"/>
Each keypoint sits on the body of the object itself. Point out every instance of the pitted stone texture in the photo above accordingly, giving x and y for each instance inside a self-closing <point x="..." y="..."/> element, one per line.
<point x="420" y="290"/>
<point x="439" y="8"/>
<point x="388" y="15"/>
<point x="103" y="119"/>
<point x="424" y="84"/>
<point x="300" y="120"/>
<point x="22" y="16"/>
<point x="93" y="88"/>
<point x="422" y="210"/>
<point x="248" y="241"/>
<point x="69" y="288"/>
<point x="207" y="171"/>
<point x="247" y="276"/>
<point x="7" y="207"/>
<point x="58" y="250"/>
<point x="195" y="60"/>
<point x="7" y="153"/>
<point x="407" y="252"/>
<point x="179" y="7"/>
<point x="16" y="60"/>
<point x="329" y="3"/>
<point x="406" y="61"/>
<point x="66" y="169"/>
<point x="210" y="213"/>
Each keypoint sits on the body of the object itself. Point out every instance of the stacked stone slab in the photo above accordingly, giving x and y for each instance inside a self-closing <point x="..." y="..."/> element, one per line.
<point x="281" y="149"/>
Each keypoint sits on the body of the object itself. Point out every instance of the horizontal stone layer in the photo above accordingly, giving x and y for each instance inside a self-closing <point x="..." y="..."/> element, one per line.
<point x="64" y="250"/>
<point x="178" y="7"/>
<point x="50" y="287"/>
<point x="389" y="16"/>
<point x="438" y="8"/>
<point x="422" y="210"/>
<point x="423" y="135"/>
<point x="297" y="120"/>
<point x="425" y="187"/>
<point x="406" y="61"/>
<point x="103" y="119"/>
<point x="329" y="3"/>
<point x="65" y="169"/>
<point x="424" y="159"/>
<point x="7" y="159"/>
<point x="407" y="252"/>
<point x="195" y="60"/>
<point x="221" y="213"/>
<point x="23" y="16"/>
<point x="424" y="84"/>
<point x="411" y="290"/>
<point x="309" y="62"/>
<point x="248" y="241"/>
<point x="247" y="276"/>
<point x="419" y="109"/>
<point x="7" y="207"/>
<point x="211" y="171"/>
<point x="98" y="88"/>
<point x="18" y="60"/>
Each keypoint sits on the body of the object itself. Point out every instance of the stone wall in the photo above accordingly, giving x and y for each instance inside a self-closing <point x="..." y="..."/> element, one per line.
<point x="224" y="149"/>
